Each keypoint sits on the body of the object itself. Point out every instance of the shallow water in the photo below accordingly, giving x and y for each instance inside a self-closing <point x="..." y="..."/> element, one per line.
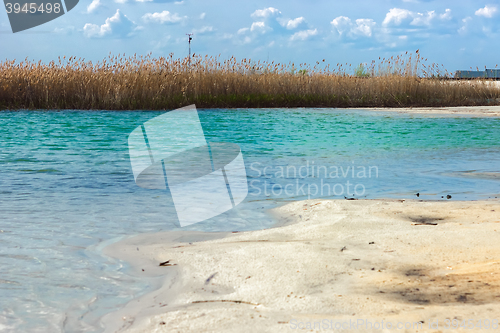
<point x="66" y="186"/>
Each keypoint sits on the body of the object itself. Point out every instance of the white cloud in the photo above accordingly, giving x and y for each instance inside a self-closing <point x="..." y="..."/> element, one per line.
<point x="423" y="19"/>
<point x="258" y="26"/>
<point x="363" y="27"/>
<point x="342" y="24"/>
<point x="265" y="13"/>
<point x="292" y="24"/>
<point x="202" y="16"/>
<point x="270" y="25"/>
<point x="68" y="30"/>
<point x="464" y="27"/>
<point x="93" y="6"/>
<point x="118" y="25"/>
<point x="359" y="28"/>
<point x="274" y="21"/>
<point x="121" y="1"/>
<point x="446" y="15"/>
<point x="271" y="19"/>
<point x="487" y="11"/>
<point x="266" y="20"/>
<point x="304" y="34"/>
<point x="399" y="25"/>
<point x="163" y="17"/>
<point x="396" y="16"/>
<point x="204" y="30"/>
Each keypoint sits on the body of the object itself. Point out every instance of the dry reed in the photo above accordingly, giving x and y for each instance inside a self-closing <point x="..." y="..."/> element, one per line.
<point x="147" y="83"/>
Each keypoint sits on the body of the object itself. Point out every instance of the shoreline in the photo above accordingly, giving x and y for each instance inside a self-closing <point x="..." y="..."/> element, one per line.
<point x="472" y="111"/>
<point x="335" y="260"/>
<point x="136" y="252"/>
<point x="487" y="111"/>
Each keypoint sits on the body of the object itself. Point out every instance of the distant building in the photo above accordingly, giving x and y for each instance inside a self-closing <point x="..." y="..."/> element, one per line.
<point x="486" y="74"/>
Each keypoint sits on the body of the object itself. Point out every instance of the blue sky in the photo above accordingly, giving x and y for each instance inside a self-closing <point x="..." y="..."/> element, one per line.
<point x="457" y="34"/>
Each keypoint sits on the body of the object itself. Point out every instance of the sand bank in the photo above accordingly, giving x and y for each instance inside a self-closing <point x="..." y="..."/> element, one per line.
<point x="333" y="262"/>
<point x="463" y="111"/>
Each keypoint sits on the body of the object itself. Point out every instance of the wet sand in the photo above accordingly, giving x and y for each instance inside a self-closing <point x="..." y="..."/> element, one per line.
<point x="333" y="262"/>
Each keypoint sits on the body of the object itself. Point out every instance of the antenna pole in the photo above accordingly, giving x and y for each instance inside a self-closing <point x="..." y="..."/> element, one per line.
<point x="189" y="41"/>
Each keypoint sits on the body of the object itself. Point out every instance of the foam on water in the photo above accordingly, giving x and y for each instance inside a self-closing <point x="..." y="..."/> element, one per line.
<point x="67" y="189"/>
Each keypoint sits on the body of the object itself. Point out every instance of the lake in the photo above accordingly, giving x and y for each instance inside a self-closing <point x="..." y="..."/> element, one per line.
<point x="67" y="189"/>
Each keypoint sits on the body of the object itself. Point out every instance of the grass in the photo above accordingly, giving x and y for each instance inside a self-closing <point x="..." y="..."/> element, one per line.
<point x="146" y="83"/>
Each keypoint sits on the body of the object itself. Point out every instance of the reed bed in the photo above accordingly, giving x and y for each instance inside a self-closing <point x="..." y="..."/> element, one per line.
<point x="147" y="83"/>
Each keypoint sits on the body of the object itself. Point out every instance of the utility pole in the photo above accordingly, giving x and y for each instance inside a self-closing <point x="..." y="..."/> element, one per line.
<point x="189" y="41"/>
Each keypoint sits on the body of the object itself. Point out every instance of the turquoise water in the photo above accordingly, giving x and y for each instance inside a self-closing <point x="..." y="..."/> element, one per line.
<point x="66" y="186"/>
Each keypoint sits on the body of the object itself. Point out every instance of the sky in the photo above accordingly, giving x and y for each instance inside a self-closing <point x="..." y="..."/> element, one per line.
<point x="456" y="34"/>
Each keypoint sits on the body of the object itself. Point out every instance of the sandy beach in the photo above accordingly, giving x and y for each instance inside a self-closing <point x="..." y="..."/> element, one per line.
<point x="460" y="111"/>
<point x="332" y="265"/>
